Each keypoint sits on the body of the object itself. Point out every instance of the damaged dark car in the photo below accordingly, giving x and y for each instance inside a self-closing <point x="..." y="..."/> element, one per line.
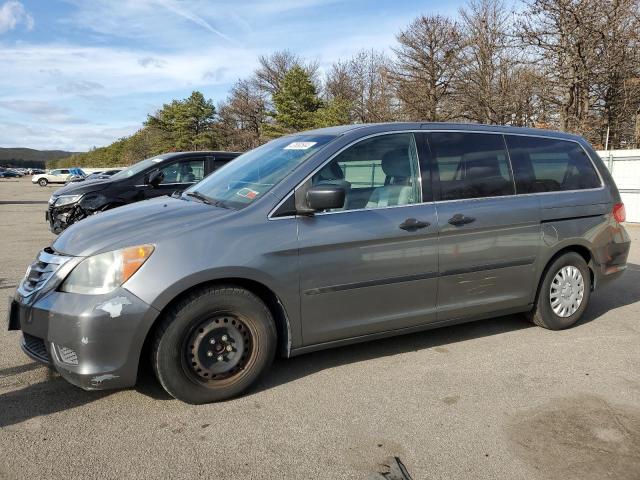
<point x="164" y="174"/>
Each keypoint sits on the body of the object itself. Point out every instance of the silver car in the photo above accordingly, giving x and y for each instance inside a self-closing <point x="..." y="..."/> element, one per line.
<point x="324" y="238"/>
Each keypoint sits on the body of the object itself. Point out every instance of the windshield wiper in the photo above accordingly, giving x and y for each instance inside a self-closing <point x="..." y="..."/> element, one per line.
<point x="204" y="199"/>
<point x="199" y="196"/>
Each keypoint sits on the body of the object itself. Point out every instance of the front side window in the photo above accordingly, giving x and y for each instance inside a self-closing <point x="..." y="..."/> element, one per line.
<point x="251" y="175"/>
<point x="381" y="171"/>
<point x="550" y="165"/>
<point x="471" y="165"/>
<point x="187" y="171"/>
<point x="139" y="167"/>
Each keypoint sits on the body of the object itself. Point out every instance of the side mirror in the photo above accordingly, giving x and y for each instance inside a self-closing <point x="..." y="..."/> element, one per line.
<point x="155" y="178"/>
<point x="325" y="197"/>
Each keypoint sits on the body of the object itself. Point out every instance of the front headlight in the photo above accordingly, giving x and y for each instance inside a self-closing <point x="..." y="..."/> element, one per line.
<point x="107" y="271"/>
<point x="66" y="200"/>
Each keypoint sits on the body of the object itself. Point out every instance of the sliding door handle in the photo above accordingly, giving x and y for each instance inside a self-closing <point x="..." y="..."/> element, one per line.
<point x="459" y="219"/>
<point x="411" y="225"/>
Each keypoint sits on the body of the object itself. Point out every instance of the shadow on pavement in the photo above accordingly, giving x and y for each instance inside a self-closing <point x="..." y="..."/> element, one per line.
<point x="44" y="398"/>
<point x="622" y="292"/>
<point x="56" y="394"/>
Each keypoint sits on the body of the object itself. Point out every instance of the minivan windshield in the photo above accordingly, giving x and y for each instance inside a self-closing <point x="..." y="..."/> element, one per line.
<point x="254" y="173"/>
<point x="138" y="167"/>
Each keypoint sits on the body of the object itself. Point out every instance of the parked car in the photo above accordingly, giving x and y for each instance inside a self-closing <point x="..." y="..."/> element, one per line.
<point x="9" y="173"/>
<point x="100" y="175"/>
<point x="153" y="177"/>
<point x="59" y="175"/>
<point x="76" y="174"/>
<point x="320" y="239"/>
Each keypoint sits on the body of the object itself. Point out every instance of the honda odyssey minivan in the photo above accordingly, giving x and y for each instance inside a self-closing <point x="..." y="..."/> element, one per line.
<point x="324" y="238"/>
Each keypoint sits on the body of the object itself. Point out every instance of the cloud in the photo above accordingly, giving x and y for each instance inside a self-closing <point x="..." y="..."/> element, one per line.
<point x="72" y="137"/>
<point x="40" y="110"/>
<point x="216" y="75"/>
<point x="151" y="62"/>
<point x="12" y="14"/>
<point x="79" y="87"/>
<point x="32" y="107"/>
<point x="165" y="23"/>
<point x="191" y="16"/>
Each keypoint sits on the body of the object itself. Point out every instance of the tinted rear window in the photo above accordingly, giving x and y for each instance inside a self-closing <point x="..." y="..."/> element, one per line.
<point x="471" y="165"/>
<point x="550" y="165"/>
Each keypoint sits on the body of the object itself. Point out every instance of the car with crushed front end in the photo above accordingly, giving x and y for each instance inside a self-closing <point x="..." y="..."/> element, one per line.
<point x="164" y="174"/>
<point x="325" y="238"/>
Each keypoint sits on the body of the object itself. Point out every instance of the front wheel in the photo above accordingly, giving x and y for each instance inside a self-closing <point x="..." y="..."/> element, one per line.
<point x="564" y="293"/>
<point x="213" y="344"/>
<point x="43" y="182"/>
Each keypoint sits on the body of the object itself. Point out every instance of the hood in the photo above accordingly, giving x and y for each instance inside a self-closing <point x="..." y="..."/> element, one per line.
<point x="138" y="223"/>
<point x="80" y="188"/>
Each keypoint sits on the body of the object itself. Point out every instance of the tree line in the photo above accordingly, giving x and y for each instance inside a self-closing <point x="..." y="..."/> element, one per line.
<point x="571" y="65"/>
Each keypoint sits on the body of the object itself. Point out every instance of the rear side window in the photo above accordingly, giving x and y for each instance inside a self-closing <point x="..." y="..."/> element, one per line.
<point x="550" y="165"/>
<point x="471" y="165"/>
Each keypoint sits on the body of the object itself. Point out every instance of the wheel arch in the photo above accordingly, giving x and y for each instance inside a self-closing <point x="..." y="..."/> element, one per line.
<point x="267" y="295"/>
<point x="581" y="249"/>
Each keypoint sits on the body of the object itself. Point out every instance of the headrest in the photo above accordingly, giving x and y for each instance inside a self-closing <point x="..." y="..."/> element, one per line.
<point x="396" y="163"/>
<point x="482" y="166"/>
<point x="331" y="171"/>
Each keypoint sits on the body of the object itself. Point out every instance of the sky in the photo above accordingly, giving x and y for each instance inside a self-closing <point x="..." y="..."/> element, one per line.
<point x="75" y="74"/>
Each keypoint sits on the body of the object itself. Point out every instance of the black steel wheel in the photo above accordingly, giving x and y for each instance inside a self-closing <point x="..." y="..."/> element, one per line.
<point x="213" y="344"/>
<point x="218" y="348"/>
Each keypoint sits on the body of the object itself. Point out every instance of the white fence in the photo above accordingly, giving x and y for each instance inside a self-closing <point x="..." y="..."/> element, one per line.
<point x="624" y="166"/>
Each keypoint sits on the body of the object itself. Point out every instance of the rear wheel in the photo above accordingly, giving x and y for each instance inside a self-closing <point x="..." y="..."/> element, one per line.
<point x="564" y="293"/>
<point x="43" y="182"/>
<point x="213" y="344"/>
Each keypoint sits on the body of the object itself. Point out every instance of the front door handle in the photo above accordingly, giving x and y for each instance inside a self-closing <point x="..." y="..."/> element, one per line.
<point x="411" y="225"/>
<point x="459" y="219"/>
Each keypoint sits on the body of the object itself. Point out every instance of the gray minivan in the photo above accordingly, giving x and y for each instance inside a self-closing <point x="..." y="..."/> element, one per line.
<point x="324" y="238"/>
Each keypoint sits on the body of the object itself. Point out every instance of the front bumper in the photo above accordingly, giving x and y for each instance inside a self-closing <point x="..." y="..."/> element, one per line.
<point x="93" y="341"/>
<point x="59" y="218"/>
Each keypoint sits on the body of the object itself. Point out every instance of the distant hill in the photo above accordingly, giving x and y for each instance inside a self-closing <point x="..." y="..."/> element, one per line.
<point x="28" y="157"/>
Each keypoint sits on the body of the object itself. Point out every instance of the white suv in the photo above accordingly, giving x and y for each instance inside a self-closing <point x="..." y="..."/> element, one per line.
<point x="53" y="176"/>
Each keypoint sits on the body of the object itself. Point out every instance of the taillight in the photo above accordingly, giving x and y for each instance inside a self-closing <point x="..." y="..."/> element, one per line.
<point x="619" y="212"/>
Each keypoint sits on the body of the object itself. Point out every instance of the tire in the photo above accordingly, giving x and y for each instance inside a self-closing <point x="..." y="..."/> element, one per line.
<point x="213" y="344"/>
<point x="43" y="182"/>
<point x="568" y="309"/>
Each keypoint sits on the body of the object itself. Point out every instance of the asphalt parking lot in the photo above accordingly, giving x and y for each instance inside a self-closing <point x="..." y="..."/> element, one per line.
<point x="494" y="399"/>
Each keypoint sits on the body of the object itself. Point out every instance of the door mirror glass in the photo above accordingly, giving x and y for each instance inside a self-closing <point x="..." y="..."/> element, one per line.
<point x="325" y="197"/>
<point x="155" y="178"/>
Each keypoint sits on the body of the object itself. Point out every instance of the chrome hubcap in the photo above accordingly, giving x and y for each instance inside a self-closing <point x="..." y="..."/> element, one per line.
<point x="567" y="291"/>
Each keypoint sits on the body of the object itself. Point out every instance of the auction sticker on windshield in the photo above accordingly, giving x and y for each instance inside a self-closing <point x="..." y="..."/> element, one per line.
<point x="248" y="193"/>
<point x="300" y="145"/>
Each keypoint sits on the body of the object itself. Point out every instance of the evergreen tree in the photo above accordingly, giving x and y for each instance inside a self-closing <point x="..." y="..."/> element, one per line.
<point x="335" y="112"/>
<point x="296" y="102"/>
<point x="186" y="123"/>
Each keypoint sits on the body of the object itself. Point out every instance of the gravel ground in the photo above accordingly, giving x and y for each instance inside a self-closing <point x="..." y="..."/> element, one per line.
<point x="493" y="399"/>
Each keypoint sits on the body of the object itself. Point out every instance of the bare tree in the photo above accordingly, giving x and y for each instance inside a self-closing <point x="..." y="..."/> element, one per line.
<point x="269" y="75"/>
<point x="365" y="82"/>
<point x="426" y="68"/>
<point x="617" y="83"/>
<point x="242" y="116"/>
<point x="489" y="87"/>
<point x="563" y="35"/>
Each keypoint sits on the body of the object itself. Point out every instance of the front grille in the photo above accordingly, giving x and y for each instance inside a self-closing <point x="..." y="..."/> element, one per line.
<point x="35" y="346"/>
<point x="41" y="271"/>
<point x="68" y="355"/>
